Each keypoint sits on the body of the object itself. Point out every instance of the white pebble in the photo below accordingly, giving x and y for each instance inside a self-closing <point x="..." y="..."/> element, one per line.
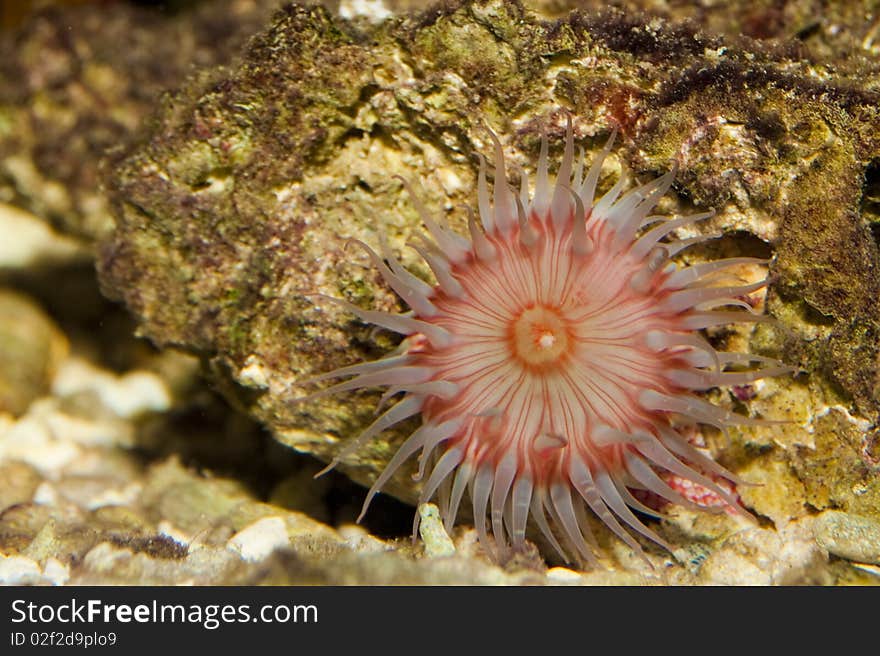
<point x="260" y="539"/>
<point x="563" y="575"/>
<point x="56" y="572"/>
<point x="374" y="10"/>
<point x="126" y="396"/>
<point x="18" y="570"/>
<point x="45" y="494"/>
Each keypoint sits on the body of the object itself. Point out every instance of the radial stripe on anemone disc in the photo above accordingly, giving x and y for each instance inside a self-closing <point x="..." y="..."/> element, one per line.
<point x="556" y="361"/>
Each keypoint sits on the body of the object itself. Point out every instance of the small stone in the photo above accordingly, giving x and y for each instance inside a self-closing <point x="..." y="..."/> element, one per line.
<point x="373" y="10"/>
<point x="18" y="570"/>
<point x="35" y="242"/>
<point x="257" y="541"/>
<point x="563" y="575"/>
<point x="56" y="572"/>
<point x="18" y="483"/>
<point x="849" y="536"/>
<point x="358" y="538"/>
<point x="31" y="348"/>
<point x="126" y="396"/>
<point x="46" y="494"/>
<point x="434" y="535"/>
<point x="30" y="440"/>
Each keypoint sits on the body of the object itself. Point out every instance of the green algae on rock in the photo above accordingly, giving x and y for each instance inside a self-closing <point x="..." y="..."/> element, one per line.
<point x="236" y="208"/>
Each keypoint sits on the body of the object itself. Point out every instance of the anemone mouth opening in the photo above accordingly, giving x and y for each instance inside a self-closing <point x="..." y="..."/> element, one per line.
<point x="541" y="337"/>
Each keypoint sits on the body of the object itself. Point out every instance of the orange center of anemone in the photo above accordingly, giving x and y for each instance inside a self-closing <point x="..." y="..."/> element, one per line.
<point x="540" y="337"/>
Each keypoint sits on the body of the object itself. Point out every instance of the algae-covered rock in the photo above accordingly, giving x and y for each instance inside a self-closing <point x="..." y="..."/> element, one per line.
<point x="78" y="82"/>
<point x="236" y="209"/>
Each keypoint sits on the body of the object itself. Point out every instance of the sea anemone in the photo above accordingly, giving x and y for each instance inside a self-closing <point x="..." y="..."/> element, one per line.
<point x="555" y="361"/>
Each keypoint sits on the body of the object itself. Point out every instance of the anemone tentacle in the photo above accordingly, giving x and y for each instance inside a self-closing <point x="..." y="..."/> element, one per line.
<point x="557" y="356"/>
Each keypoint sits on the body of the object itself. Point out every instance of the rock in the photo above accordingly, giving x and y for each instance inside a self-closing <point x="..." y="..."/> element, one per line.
<point x="757" y="556"/>
<point x="33" y="242"/>
<point x="225" y="212"/>
<point x="256" y="541"/>
<point x="31" y="349"/>
<point x="436" y="539"/>
<point x="17" y="570"/>
<point x="69" y="93"/>
<point x="18" y="482"/>
<point x="238" y="205"/>
<point x="849" y="536"/>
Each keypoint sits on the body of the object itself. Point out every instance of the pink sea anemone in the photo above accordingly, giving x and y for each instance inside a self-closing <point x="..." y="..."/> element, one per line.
<point x="555" y="361"/>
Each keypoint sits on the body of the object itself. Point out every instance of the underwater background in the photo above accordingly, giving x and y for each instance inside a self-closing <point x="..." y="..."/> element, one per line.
<point x="176" y="178"/>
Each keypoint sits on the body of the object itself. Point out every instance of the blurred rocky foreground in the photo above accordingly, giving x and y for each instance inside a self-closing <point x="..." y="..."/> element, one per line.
<point x="214" y="159"/>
